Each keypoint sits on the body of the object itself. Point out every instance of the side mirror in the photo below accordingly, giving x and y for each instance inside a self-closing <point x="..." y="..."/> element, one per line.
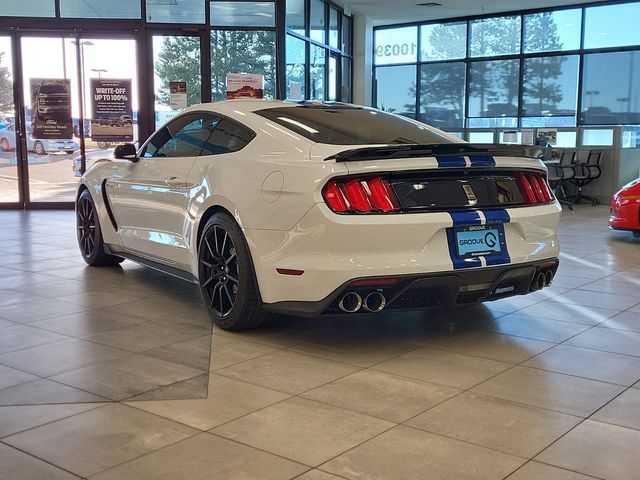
<point x="126" y="152"/>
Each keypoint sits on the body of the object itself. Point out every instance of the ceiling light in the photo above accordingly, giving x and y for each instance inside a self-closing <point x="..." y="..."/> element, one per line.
<point x="429" y="4"/>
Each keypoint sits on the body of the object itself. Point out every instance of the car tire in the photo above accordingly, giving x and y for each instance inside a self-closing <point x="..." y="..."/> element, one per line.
<point x="227" y="278"/>
<point x="38" y="148"/>
<point x="70" y="152"/>
<point x="5" y="145"/>
<point x="90" y="235"/>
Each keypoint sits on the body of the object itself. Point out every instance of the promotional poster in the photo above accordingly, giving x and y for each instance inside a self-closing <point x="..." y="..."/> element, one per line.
<point x="112" y="114"/>
<point x="51" y="108"/>
<point x="245" y="85"/>
<point x="178" y="95"/>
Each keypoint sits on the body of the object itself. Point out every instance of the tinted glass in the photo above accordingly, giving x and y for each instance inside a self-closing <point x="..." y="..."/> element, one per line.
<point x="610" y="88"/>
<point x="185" y="136"/>
<point x="333" y="28"/>
<point x="495" y="36"/>
<point x="295" y="16"/>
<point x="442" y="94"/>
<point x="242" y="51"/>
<point x="552" y="31"/>
<point x="612" y="26"/>
<point x="243" y="14"/>
<point x="443" y="41"/>
<point x="228" y="136"/>
<point x="396" y="45"/>
<point x="317" y="73"/>
<point x="344" y="125"/>
<point x="295" y="68"/>
<point x="100" y="9"/>
<point x="493" y="91"/>
<point x="550" y="86"/>
<point x="318" y="21"/>
<point x="346" y="34"/>
<point x="179" y="11"/>
<point x="28" y="8"/>
<point x="346" y="80"/>
<point x="396" y="89"/>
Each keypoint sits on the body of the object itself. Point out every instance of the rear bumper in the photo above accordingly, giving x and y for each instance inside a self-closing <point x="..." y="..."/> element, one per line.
<point x="332" y="250"/>
<point x="437" y="290"/>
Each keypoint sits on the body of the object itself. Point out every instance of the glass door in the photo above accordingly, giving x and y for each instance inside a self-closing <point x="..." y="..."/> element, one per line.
<point x="9" y="180"/>
<point x="80" y="100"/>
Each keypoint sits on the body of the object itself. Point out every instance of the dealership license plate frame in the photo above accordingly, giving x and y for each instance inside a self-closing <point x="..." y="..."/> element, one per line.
<point x="481" y="232"/>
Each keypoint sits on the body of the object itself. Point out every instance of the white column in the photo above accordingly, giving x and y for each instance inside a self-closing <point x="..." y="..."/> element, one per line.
<point x="362" y="60"/>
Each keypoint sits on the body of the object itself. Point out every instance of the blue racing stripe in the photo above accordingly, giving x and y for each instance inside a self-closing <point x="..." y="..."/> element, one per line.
<point x="444" y="162"/>
<point x="493" y="217"/>
<point x="482" y="161"/>
<point x="461" y="219"/>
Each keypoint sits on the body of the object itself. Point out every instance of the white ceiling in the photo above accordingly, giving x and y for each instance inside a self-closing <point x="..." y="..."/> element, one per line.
<point x="398" y="11"/>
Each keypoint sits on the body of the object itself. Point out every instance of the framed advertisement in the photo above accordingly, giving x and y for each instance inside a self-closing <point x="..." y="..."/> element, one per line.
<point x="50" y="108"/>
<point x="112" y="119"/>
<point x="245" y="85"/>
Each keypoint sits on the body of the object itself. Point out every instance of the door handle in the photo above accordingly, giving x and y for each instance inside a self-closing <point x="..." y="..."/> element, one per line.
<point x="174" y="182"/>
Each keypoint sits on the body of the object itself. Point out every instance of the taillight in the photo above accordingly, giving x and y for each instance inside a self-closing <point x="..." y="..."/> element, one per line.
<point x="534" y="188"/>
<point x="360" y="195"/>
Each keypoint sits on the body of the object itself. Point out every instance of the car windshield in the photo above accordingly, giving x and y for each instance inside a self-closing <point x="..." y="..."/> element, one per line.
<point x="349" y="125"/>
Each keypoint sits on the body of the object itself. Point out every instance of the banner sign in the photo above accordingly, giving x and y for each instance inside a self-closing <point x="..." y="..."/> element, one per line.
<point x="178" y="95"/>
<point x="112" y="119"/>
<point x="51" y="108"/>
<point x="245" y="85"/>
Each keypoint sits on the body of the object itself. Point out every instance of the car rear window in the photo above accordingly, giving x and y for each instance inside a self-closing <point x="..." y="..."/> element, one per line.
<point x="348" y="125"/>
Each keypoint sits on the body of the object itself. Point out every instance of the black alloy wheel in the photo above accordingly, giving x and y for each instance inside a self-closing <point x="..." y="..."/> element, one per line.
<point x="90" y="235"/>
<point x="226" y="276"/>
<point x="38" y="148"/>
<point x="5" y="145"/>
<point x="220" y="265"/>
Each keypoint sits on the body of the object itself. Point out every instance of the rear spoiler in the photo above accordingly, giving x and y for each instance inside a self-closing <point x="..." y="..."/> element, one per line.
<point x="390" y="152"/>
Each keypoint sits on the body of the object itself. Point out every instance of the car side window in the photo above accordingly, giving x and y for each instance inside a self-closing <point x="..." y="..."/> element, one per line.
<point x="185" y="136"/>
<point x="228" y="137"/>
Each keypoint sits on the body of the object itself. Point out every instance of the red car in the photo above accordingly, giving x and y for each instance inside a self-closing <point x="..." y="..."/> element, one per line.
<point x="625" y="209"/>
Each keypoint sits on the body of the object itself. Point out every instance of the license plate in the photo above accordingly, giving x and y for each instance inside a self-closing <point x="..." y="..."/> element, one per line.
<point x="479" y="240"/>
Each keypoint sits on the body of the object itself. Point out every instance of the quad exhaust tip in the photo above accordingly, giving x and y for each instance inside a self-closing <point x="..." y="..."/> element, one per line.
<point x="541" y="280"/>
<point x="374" y="302"/>
<point x="350" y="302"/>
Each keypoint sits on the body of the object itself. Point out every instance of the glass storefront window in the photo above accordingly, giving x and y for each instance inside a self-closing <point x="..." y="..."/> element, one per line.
<point x="493" y="92"/>
<point x="597" y="137"/>
<point x="242" y="51"/>
<point x="397" y="89"/>
<point x="8" y="137"/>
<point x="612" y="26"/>
<point x="346" y="80"/>
<point x="28" y="8"/>
<point x="610" y="89"/>
<point x="442" y="94"/>
<point x="550" y="86"/>
<point x="317" y="74"/>
<point x="396" y="45"/>
<point x="495" y="36"/>
<point x="317" y="28"/>
<point x="295" y="18"/>
<point x="176" y="58"/>
<point x="443" y="41"/>
<point x="552" y="31"/>
<point x="99" y="9"/>
<point x="346" y="34"/>
<point x="180" y="11"/>
<point x="295" y="68"/>
<point x="333" y="28"/>
<point x="243" y="14"/>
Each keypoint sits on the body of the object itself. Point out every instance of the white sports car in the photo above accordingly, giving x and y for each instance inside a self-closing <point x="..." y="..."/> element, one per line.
<point x="311" y="208"/>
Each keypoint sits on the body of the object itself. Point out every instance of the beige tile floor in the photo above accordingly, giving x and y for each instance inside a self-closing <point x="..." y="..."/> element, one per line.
<point x="115" y="374"/>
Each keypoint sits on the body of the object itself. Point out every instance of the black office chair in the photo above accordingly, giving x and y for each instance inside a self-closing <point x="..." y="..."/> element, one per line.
<point x="585" y="174"/>
<point x="560" y="174"/>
